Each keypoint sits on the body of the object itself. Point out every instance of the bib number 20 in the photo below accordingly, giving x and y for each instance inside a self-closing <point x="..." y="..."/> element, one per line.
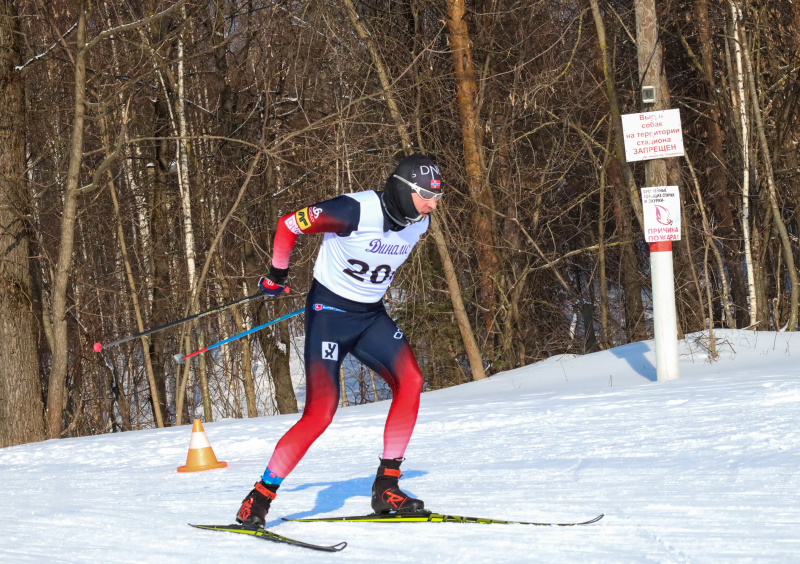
<point x="378" y="275"/>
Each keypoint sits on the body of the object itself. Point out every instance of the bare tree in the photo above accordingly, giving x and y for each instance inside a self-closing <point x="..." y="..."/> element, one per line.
<point x="56" y="396"/>
<point x="468" y="104"/>
<point x="538" y="247"/>
<point x="21" y="407"/>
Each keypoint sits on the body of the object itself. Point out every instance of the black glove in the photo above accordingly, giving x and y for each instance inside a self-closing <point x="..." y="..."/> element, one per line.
<point x="274" y="283"/>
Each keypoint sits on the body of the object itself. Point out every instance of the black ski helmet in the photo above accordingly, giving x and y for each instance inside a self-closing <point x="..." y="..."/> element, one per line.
<point x="417" y="169"/>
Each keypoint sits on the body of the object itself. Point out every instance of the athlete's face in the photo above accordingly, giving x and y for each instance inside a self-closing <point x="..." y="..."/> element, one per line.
<point x="423" y="206"/>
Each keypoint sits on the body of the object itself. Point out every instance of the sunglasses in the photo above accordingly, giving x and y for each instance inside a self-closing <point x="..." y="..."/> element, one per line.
<point x="422" y="192"/>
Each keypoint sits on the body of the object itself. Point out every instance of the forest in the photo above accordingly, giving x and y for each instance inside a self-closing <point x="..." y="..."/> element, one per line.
<point x="148" y="148"/>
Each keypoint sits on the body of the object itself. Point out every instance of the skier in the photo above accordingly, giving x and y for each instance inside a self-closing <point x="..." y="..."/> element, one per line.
<point x="368" y="235"/>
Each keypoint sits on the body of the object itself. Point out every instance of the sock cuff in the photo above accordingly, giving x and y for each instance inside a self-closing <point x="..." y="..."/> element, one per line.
<point x="270" y="477"/>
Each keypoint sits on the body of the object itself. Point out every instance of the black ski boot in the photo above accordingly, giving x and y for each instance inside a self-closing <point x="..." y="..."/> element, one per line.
<point x="387" y="497"/>
<point x="254" y="507"/>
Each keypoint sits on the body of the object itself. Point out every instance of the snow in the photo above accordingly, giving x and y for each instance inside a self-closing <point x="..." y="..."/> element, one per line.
<point x="701" y="469"/>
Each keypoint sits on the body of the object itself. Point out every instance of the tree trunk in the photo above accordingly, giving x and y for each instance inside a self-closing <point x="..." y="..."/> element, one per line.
<point x="624" y="192"/>
<point x="649" y="52"/>
<point x="739" y="99"/>
<point x="112" y="189"/>
<point x="247" y="354"/>
<point x="635" y="327"/>
<point x="606" y="339"/>
<point x="708" y="233"/>
<point x="470" y="344"/>
<point x="277" y="352"/>
<point x="712" y="348"/>
<point x="606" y="67"/>
<point x="694" y="317"/>
<point x="182" y="155"/>
<point x="247" y="369"/>
<point x="467" y="335"/>
<point x="720" y="198"/>
<point x="21" y="407"/>
<point x="56" y="390"/>
<point x="163" y="229"/>
<point x="762" y="233"/>
<point x="777" y="214"/>
<point x="160" y="241"/>
<point x="796" y="27"/>
<point x="467" y="95"/>
<point x="277" y="359"/>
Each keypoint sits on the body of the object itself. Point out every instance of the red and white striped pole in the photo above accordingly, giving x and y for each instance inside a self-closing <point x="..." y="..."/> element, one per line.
<point x="665" y="320"/>
<point x="660" y="137"/>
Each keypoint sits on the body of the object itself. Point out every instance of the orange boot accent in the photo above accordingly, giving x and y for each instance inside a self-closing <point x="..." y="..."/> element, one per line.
<point x="201" y="455"/>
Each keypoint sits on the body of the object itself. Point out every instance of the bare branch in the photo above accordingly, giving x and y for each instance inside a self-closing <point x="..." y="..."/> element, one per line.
<point x="44" y="53"/>
<point x="109" y="33"/>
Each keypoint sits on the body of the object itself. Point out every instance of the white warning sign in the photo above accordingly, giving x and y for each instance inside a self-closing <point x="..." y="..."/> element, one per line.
<point x="661" y="206"/>
<point x="653" y="135"/>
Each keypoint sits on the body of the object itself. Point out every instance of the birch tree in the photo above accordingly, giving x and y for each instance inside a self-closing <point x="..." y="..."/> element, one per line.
<point x="739" y="98"/>
<point x="764" y="148"/>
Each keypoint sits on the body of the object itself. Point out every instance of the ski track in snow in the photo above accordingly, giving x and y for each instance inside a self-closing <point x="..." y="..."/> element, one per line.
<point x="702" y="469"/>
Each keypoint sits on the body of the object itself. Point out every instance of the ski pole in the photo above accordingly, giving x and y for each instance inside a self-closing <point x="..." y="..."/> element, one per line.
<point x="181" y="359"/>
<point x="99" y="346"/>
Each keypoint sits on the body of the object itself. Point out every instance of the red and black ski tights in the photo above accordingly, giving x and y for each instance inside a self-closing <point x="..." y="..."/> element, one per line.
<point x="335" y="327"/>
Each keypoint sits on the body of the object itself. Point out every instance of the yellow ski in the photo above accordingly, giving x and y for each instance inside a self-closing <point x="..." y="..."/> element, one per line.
<point x="436" y="518"/>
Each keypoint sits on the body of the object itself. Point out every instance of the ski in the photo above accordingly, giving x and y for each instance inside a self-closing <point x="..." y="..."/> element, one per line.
<point x="270" y="536"/>
<point x="436" y="518"/>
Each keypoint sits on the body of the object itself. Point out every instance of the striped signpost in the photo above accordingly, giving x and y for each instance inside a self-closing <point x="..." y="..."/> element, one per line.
<point x="654" y="136"/>
<point x="661" y="206"/>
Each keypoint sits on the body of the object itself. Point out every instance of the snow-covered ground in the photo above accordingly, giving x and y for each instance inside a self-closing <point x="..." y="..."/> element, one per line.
<point x="702" y="469"/>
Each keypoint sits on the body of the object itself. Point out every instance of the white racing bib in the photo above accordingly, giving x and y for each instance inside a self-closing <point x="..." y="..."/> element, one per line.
<point x="361" y="266"/>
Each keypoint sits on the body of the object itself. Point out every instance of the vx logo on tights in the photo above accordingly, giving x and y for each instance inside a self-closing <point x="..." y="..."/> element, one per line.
<point x="398" y="334"/>
<point x="330" y="351"/>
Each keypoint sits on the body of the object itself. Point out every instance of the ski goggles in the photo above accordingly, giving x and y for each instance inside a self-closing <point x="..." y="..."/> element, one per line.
<point x="423" y="193"/>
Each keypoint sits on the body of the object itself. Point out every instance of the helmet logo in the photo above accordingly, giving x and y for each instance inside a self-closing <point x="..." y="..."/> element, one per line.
<point x="427" y="170"/>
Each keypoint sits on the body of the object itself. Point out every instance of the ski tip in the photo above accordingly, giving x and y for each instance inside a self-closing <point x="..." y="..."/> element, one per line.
<point x="268" y="535"/>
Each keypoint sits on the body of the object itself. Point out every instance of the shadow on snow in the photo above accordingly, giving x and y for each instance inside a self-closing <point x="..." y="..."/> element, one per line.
<point x="635" y="355"/>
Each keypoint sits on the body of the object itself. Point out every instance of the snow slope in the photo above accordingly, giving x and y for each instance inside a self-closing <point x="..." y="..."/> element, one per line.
<point x="701" y="469"/>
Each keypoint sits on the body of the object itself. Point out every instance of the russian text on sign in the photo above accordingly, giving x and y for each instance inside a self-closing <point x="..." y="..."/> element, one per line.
<point x="661" y="206"/>
<point x="653" y="135"/>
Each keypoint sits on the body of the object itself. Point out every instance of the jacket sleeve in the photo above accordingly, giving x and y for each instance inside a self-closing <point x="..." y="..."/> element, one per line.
<point x="339" y="215"/>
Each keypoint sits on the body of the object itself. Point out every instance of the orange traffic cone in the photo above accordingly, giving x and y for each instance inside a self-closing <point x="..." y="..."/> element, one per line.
<point x="201" y="455"/>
